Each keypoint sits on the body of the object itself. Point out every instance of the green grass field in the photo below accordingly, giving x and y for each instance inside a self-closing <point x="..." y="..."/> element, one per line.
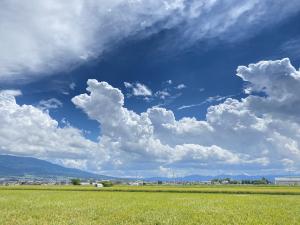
<point x="55" y="205"/>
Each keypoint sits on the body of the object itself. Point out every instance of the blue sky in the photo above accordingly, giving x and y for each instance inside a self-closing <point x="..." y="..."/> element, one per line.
<point x="176" y="67"/>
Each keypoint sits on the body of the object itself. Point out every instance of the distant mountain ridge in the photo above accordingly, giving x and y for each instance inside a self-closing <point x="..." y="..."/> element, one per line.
<point x="27" y="166"/>
<point x="24" y="166"/>
<point x="197" y="178"/>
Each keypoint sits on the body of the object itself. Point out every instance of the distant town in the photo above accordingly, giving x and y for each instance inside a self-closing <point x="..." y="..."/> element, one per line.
<point x="32" y="180"/>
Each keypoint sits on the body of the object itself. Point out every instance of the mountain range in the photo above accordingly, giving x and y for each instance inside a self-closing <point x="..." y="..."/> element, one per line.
<point x="198" y="178"/>
<point x="17" y="166"/>
<point x="27" y="166"/>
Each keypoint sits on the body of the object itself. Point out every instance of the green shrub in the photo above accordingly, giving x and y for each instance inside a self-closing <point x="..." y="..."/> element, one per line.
<point x="75" y="181"/>
<point x="107" y="183"/>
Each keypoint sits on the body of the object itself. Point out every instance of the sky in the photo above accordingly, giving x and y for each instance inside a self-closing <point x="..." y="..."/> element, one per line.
<point x="152" y="88"/>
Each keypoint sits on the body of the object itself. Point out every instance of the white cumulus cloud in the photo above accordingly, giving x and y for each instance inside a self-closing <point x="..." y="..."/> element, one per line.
<point x="246" y="134"/>
<point x="28" y="131"/>
<point x="256" y="134"/>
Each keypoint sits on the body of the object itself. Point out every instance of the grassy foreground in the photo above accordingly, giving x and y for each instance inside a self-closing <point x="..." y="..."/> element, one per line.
<point x="83" y="206"/>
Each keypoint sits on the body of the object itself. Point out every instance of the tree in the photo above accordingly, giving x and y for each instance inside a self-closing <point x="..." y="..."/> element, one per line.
<point x="107" y="183"/>
<point x="75" y="181"/>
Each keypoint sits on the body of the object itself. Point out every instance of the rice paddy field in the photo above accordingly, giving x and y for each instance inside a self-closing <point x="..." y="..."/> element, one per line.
<point x="62" y="205"/>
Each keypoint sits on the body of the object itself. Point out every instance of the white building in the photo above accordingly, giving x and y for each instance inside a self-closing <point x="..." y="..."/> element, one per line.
<point x="98" y="185"/>
<point x="136" y="183"/>
<point x="85" y="183"/>
<point x="287" y="180"/>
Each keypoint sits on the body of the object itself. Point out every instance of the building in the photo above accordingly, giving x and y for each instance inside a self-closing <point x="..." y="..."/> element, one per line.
<point x="287" y="180"/>
<point x="98" y="185"/>
<point x="136" y="183"/>
<point x="85" y="183"/>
